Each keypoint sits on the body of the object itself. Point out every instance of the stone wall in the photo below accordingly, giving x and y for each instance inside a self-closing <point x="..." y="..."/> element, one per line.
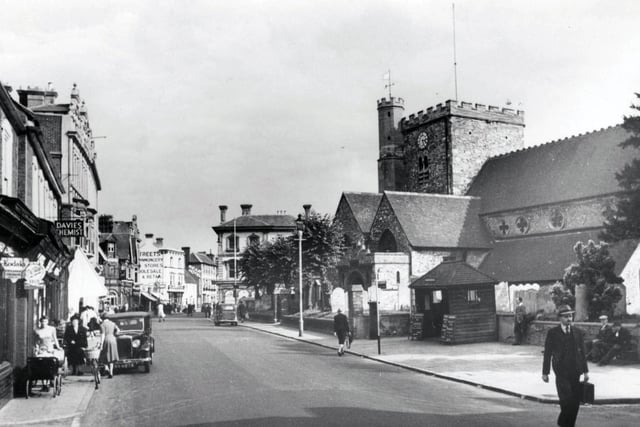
<point x="537" y="332"/>
<point x="434" y="146"/>
<point x="474" y="141"/>
<point x="344" y="217"/>
<point x="424" y="261"/>
<point x="391" y="324"/>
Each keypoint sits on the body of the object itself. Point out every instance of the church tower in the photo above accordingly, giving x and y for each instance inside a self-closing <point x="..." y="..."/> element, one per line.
<point x="391" y="171"/>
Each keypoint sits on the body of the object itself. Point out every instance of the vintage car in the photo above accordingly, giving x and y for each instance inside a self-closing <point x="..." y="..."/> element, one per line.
<point x="226" y="313"/>
<point x="135" y="343"/>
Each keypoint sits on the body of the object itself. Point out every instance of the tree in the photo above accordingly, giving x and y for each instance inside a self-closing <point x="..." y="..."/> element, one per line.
<point x="270" y="263"/>
<point x="623" y="221"/>
<point x="594" y="268"/>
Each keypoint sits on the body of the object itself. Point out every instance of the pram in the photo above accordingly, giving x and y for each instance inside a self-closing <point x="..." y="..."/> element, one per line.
<point x="46" y="368"/>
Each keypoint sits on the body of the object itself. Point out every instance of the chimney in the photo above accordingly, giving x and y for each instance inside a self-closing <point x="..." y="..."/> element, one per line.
<point x="105" y="223"/>
<point x="148" y="235"/>
<point x="187" y="256"/>
<point x="31" y="97"/>
<point x="159" y="242"/>
<point x="223" y="213"/>
<point x="246" y="209"/>
<point x="307" y="210"/>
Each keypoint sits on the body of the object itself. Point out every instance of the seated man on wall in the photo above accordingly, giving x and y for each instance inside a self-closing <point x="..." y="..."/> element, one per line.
<point x="598" y="347"/>
<point x="618" y="340"/>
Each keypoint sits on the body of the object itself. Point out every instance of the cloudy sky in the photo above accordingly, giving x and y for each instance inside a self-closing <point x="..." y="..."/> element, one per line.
<point x="274" y="102"/>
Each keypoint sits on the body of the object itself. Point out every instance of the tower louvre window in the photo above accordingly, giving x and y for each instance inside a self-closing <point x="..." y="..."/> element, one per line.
<point x="423" y="169"/>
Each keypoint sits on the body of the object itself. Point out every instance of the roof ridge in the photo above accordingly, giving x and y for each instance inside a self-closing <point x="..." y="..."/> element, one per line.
<point x="447" y="196"/>
<point x="553" y="142"/>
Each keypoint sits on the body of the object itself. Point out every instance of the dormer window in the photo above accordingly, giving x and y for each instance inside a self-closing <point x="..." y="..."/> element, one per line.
<point x="111" y="250"/>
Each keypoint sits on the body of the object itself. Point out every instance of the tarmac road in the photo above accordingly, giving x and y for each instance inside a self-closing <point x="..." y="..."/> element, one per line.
<point x="232" y="376"/>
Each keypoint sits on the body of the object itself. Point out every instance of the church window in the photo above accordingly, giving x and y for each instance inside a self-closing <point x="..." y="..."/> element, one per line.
<point x="388" y="242"/>
<point x="503" y="227"/>
<point x="556" y="219"/>
<point x="523" y="224"/>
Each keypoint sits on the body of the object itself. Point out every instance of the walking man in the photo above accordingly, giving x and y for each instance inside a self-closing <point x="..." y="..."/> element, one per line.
<point x="519" y="322"/>
<point x="341" y="330"/>
<point x="564" y="350"/>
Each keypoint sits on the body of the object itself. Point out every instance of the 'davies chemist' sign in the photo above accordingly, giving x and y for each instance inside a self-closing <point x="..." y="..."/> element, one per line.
<point x="70" y="228"/>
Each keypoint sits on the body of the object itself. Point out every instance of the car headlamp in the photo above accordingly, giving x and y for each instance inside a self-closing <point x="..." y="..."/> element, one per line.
<point x="135" y="343"/>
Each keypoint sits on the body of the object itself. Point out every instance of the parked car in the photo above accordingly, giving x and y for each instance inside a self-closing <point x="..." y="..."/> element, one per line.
<point x="226" y="313"/>
<point x="135" y="343"/>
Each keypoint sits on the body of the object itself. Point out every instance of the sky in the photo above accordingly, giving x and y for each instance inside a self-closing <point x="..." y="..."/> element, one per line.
<point x="273" y="103"/>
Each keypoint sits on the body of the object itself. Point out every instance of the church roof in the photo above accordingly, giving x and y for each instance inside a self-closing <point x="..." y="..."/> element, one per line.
<point x="439" y="221"/>
<point x="364" y="207"/>
<point x="259" y="222"/>
<point x="573" y="168"/>
<point x="452" y="273"/>
<point x="544" y="258"/>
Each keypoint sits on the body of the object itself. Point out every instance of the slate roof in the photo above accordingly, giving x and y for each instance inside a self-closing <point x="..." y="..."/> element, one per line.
<point x="251" y="222"/>
<point x="439" y="221"/>
<point x="452" y="273"/>
<point x="572" y="168"/>
<point x="200" y="258"/>
<point x="544" y="258"/>
<point x="189" y="277"/>
<point x="364" y="207"/>
<point x="123" y="243"/>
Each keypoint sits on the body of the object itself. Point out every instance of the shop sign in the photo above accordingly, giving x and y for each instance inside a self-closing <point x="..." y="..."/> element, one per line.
<point x="33" y="275"/>
<point x="13" y="268"/>
<point x="70" y="228"/>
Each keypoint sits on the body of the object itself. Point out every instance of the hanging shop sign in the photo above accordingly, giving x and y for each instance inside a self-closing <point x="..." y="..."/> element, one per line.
<point x="13" y="268"/>
<point x="70" y="228"/>
<point x="33" y="275"/>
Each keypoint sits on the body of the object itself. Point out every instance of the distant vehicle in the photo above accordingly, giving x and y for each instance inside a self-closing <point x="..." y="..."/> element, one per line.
<point x="226" y="313"/>
<point x="135" y="343"/>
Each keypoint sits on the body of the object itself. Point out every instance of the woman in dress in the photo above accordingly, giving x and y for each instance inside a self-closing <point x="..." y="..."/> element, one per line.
<point x="109" y="352"/>
<point x="46" y="338"/>
<point x="75" y="338"/>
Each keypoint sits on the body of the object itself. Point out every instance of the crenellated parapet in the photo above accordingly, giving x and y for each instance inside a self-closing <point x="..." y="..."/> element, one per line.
<point x="391" y="102"/>
<point x="470" y="110"/>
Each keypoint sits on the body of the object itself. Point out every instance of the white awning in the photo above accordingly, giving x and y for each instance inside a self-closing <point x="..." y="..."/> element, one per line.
<point x="84" y="283"/>
<point x="149" y="297"/>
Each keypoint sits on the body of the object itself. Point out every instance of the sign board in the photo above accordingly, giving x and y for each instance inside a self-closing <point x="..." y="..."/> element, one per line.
<point x="70" y="228"/>
<point x="33" y="275"/>
<point x="13" y="268"/>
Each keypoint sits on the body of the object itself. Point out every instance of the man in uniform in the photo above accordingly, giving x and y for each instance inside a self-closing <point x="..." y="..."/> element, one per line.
<point x="564" y="349"/>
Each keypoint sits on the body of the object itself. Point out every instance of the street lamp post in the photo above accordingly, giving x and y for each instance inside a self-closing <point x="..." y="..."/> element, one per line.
<point x="300" y="229"/>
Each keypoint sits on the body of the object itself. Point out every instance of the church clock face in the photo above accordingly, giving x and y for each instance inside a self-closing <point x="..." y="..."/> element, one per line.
<point x="423" y="139"/>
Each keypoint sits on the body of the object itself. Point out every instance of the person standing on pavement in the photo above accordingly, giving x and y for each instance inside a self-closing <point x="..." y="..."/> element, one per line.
<point x="564" y="350"/>
<point x="341" y="330"/>
<point x="519" y="323"/>
<point x="109" y="353"/>
<point x="75" y="339"/>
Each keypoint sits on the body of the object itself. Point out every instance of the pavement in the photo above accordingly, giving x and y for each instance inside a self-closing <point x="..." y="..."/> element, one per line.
<point x="504" y="368"/>
<point x="42" y="408"/>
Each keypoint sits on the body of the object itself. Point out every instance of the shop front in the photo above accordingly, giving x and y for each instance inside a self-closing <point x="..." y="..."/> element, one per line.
<point x="32" y="283"/>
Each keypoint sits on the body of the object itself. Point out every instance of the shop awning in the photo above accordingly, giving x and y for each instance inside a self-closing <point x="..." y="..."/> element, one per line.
<point x="149" y="297"/>
<point x="84" y="283"/>
<point x="158" y="296"/>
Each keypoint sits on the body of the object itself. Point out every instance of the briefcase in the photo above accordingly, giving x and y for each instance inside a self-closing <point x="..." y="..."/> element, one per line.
<point x="587" y="392"/>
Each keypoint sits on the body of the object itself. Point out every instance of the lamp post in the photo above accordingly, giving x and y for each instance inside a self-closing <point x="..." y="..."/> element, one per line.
<point x="300" y="229"/>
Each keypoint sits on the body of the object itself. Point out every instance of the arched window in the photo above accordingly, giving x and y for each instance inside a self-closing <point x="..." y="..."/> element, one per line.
<point x="388" y="242"/>
<point x="423" y="169"/>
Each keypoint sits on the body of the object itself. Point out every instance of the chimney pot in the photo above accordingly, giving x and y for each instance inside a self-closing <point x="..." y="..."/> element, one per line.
<point x="148" y="235"/>
<point x="223" y="213"/>
<point x="246" y="209"/>
<point x="187" y="256"/>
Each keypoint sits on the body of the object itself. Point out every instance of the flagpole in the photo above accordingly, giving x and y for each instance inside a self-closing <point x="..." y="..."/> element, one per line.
<point x="235" y="264"/>
<point x="455" y="60"/>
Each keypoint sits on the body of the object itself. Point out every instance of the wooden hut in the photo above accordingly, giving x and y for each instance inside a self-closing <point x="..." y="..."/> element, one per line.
<point x="456" y="302"/>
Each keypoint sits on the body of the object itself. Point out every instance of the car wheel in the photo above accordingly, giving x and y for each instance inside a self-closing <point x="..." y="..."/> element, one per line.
<point x="147" y="367"/>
